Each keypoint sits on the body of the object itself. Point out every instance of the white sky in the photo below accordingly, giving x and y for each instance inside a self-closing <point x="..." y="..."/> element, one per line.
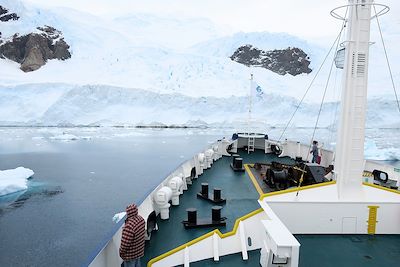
<point x="308" y="19"/>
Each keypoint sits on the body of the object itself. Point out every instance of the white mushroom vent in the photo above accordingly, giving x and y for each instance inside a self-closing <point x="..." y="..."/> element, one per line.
<point x="176" y="185"/>
<point x="162" y="198"/>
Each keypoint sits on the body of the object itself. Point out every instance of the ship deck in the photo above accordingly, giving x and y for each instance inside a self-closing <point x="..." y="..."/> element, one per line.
<point x="330" y="251"/>
<point x="241" y="192"/>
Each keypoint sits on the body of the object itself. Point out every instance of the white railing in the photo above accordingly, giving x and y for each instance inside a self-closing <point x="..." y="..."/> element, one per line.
<point x="107" y="253"/>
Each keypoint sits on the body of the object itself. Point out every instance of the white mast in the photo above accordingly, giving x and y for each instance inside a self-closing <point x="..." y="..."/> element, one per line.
<point x="349" y="156"/>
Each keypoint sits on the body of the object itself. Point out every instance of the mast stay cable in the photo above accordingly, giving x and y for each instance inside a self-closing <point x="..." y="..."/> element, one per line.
<point x="312" y="81"/>
<point x="387" y="59"/>
<point x="322" y="101"/>
<point x="316" y="122"/>
<point x="336" y="96"/>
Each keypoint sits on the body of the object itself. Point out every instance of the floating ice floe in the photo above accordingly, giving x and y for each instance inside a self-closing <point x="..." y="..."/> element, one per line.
<point x="69" y="137"/>
<point x="129" y="134"/>
<point x="373" y="152"/>
<point x="119" y="216"/>
<point x="14" y="180"/>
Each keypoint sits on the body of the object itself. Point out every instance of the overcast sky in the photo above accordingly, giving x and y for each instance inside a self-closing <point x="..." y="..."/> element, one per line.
<point x="308" y="19"/>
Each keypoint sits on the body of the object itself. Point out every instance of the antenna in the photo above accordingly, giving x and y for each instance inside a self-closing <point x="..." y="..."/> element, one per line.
<point x="250" y="103"/>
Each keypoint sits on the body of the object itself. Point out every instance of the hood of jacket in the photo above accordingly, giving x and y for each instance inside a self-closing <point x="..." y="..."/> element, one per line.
<point x="131" y="211"/>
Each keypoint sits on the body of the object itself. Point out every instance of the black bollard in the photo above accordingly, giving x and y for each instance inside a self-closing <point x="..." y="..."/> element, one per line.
<point x="192" y="215"/>
<point x="204" y="190"/>
<point x="238" y="163"/>
<point x="216" y="213"/>
<point x="234" y="156"/>
<point x="217" y="194"/>
<point x="215" y="220"/>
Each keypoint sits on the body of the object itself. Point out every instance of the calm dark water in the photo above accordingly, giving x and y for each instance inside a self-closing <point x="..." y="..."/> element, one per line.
<point x="79" y="185"/>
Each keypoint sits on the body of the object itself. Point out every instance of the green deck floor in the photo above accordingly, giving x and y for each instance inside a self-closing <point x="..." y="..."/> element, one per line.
<point x="349" y="250"/>
<point x="330" y="251"/>
<point x="236" y="187"/>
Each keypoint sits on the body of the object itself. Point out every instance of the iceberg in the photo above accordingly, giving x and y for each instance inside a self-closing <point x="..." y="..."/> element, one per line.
<point x="65" y="137"/>
<point x="119" y="216"/>
<point x="14" y="180"/>
<point x="69" y="137"/>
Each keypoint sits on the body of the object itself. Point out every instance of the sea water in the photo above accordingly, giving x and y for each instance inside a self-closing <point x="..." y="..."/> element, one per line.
<point x="83" y="176"/>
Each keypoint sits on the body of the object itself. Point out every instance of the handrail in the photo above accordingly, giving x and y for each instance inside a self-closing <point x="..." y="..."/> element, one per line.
<point x="114" y="230"/>
<point x="109" y="236"/>
<point x="385" y="9"/>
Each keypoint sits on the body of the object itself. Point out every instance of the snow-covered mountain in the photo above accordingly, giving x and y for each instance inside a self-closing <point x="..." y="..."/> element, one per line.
<point x="180" y="69"/>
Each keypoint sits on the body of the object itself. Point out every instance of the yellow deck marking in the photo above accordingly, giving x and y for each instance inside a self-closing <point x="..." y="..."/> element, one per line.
<point x="367" y="174"/>
<point x="221" y="235"/>
<point x="295" y="189"/>
<point x="373" y="210"/>
<point x="236" y="226"/>
<point x="382" y="188"/>
<point x="253" y="179"/>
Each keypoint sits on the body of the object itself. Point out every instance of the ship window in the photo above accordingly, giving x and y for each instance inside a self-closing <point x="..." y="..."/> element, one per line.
<point x="249" y="241"/>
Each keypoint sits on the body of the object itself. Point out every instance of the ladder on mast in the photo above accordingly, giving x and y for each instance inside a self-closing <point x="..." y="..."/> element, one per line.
<point x="250" y="143"/>
<point x="250" y="136"/>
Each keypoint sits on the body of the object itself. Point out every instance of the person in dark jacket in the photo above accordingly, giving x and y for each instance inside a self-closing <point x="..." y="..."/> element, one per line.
<point x="314" y="152"/>
<point x="133" y="234"/>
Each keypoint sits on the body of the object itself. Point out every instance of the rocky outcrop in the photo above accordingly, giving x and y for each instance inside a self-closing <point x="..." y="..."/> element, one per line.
<point x="5" y="15"/>
<point x="33" y="50"/>
<point x="33" y="60"/>
<point x="293" y="60"/>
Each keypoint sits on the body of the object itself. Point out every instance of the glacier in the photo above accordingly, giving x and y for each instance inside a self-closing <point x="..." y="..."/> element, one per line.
<point x="137" y="69"/>
<point x="100" y="105"/>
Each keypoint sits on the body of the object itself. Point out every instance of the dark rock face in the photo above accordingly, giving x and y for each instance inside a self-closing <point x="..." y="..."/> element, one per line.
<point x="290" y="60"/>
<point x="6" y="16"/>
<point x="33" y="50"/>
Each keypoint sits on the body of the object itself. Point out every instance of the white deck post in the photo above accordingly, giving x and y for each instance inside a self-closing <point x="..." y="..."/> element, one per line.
<point x="242" y="234"/>
<point x="186" y="261"/>
<point x="215" y="247"/>
<point x="294" y="257"/>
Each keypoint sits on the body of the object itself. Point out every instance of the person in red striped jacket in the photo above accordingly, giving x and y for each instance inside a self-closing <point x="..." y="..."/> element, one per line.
<point x="133" y="234"/>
